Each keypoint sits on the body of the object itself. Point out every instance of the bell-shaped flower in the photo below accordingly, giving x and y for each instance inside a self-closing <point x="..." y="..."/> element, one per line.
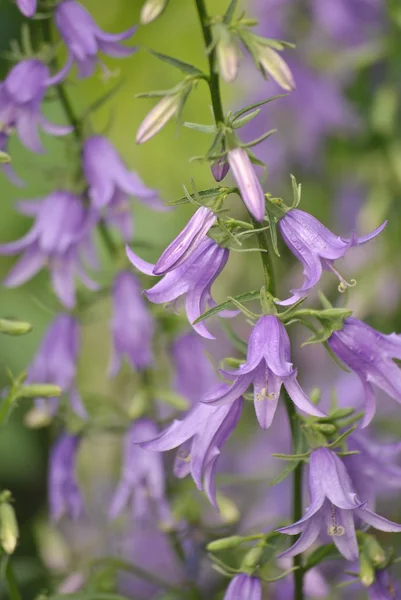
<point x="21" y="95"/>
<point x="65" y="498"/>
<point x="59" y="240"/>
<point x="384" y="587"/>
<point x="56" y="362"/>
<point x="316" y="247"/>
<point x="248" y="183"/>
<point x="132" y="325"/>
<point x="244" y="587"/>
<point x="333" y="507"/>
<point x="142" y="481"/>
<point x="193" y="278"/>
<point x="84" y="38"/>
<point x="370" y="355"/>
<point x="267" y="368"/>
<point x="200" y="436"/>
<point x="27" y="7"/>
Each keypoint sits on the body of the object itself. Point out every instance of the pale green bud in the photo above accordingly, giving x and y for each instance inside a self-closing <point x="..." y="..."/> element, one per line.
<point x="8" y="528"/>
<point x="272" y="63"/>
<point x="151" y="10"/>
<point x="157" y="118"/>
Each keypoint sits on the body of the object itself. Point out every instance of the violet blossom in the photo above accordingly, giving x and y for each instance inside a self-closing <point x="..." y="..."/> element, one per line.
<point x="56" y="362"/>
<point x="248" y="183"/>
<point x="27" y="7"/>
<point x="59" y="240"/>
<point x="267" y="368"/>
<point x="84" y="38"/>
<point x="244" y="587"/>
<point x="200" y="436"/>
<point x="316" y="247"/>
<point x="333" y="507"/>
<point x="370" y="355"/>
<point x="384" y="587"/>
<point x="132" y="325"/>
<point x="193" y="278"/>
<point x="65" y="498"/>
<point x="142" y="478"/>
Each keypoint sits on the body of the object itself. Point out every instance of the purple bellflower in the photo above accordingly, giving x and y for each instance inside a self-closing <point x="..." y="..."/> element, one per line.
<point x="56" y="362"/>
<point x="248" y="183"/>
<point x="65" y="499"/>
<point x="84" y="39"/>
<point x="27" y="7"/>
<point x="316" y="247"/>
<point x="267" y="367"/>
<point x="132" y="325"/>
<point x="384" y="587"/>
<point x="194" y="277"/>
<point x="142" y="477"/>
<point x="333" y="505"/>
<point x="244" y="587"/>
<point x="370" y="355"/>
<point x="201" y="434"/>
<point x="21" y="94"/>
<point x="58" y="239"/>
<point x="110" y="183"/>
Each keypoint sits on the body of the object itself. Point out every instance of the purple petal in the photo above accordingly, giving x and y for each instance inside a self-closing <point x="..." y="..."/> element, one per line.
<point x="334" y="479"/>
<point x="116" y="37"/>
<point x="62" y="274"/>
<point x="27" y="266"/>
<point x="299" y="398"/>
<point x="358" y="241"/>
<point x="266" y="386"/>
<point x="248" y="183"/>
<point x="308" y="537"/>
<point x="224" y="394"/>
<point x="53" y="129"/>
<point x="344" y="537"/>
<point x="377" y="521"/>
<point x="115" y="50"/>
<point x="139" y="263"/>
<point x="27" y="129"/>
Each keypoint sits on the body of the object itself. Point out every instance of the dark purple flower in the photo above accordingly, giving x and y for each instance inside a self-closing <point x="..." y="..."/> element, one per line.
<point x="384" y="587"/>
<point x="244" y="587"/>
<point x="316" y="247"/>
<point x="7" y="168"/>
<point x="21" y="95"/>
<point x="27" y="7"/>
<point x="194" y="278"/>
<point x="201" y="434"/>
<point x="220" y="169"/>
<point x="186" y="242"/>
<point x="267" y="368"/>
<point x="131" y="325"/>
<point x="56" y="362"/>
<point x="333" y="507"/>
<point x="57" y="240"/>
<point x="142" y="481"/>
<point x="248" y="184"/>
<point x="370" y="355"/>
<point x="85" y="39"/>
<point x="65" y="498"/>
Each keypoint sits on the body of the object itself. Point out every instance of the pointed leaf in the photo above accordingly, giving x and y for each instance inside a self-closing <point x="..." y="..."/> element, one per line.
<point x="200" y="127"/>
<point x="179" y="64"/>
<point x="239" y="122"/>
<point x="247" y="297"/>
<point x="241" y="112"/>
<point x="230" y="12"/>
<point x="273" y="232"/>
<point x="203" y="194"/>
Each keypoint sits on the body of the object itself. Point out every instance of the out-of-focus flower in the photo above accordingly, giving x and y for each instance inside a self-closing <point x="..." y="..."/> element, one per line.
<point x="315" y="585"/>
<point x="248" y="183"/>
<point x="56" y="362"/>
<point x="84" y="38"/>
<point x="65" y="498"/>
<point x="7" y="168"/>
<point x="384" y="587"/>
<point x="333" y="506"/>
<point x="60" y="234"/>
<point x="131" y="325"/>
<point x="370" y="355"/>
<point x="194" y="277"/>
<point x="142" y="478"/>
<point x="27" y="7"/>
<point x="21" y="95"/>
<point x="316" y="247"/>
<point x="267" y="368"/>
<point x="201" y="434"/>
<point x="244" y="587"/>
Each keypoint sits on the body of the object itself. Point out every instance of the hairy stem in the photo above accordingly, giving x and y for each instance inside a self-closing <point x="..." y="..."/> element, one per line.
<point x="214" y="85"/>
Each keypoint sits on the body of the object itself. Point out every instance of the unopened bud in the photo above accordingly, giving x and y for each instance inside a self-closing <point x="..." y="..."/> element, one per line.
<point x="248" y="183"/>
<point x="39" y="390"/>
<point x="4" y="158"/>
<point x="158" y="117"/>
<point x="14" y="327"/>
<point x="366" y="570"/>
<point x="276" y="67"/>
<point x="252" y="559"/>
<point x="8" y="528"/>
<point x="229" y="512"/>
<point x="219" y="169"/>
<point x="374" y="551"/>
<point x="227" y="55"/>
<point x="325" y="428"/>
<point x="151" y="10"/>
<point x="229" y="542"/>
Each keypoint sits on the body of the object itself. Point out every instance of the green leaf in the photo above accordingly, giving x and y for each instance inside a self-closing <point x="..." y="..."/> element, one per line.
<point x="203" y="194"/>
<point x="7" y="573"/>
<point x="200" y="127"/>
<point x="260" y="139"/>
<point x="179" y="64"/>
<point x="273" y="232"/>
<point x="296" y="190"/>
<point x="300" y="447"/>
<point x="237" y="123"/>
<point x="326" y="552"/>
<point x="228" y="304"/>
<point x="228" y="17"/>
<point x="243" y="111"/>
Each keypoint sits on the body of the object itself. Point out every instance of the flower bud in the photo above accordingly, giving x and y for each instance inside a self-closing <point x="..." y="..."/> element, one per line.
<point x="252" y="558"/>
<point x="151" y="10"/>
<point x="8" y="528"/>
<point x="272" y="63"/>
<point x="227" y="55"/>
<point x="248" y="183"/>
<point x="39" y="390"/>
<point x="157" y="118"/>
<point x="366" y="570"/>
<point x="229" y="542"/>
<point x="220" y="169"/>
<point x="375" y="552"/>
<point x="14" y="327"/>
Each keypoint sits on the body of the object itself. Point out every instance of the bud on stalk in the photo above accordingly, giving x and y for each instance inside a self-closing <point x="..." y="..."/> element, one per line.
<point x="158" y="117"/>
<point x="272" y="63"/>
<point x="8" y="528"/>
<point x="219" y="169"/>
<point x="248" y="183"/>
<point x="151" y="10"/>
<point x="227" y="55"/>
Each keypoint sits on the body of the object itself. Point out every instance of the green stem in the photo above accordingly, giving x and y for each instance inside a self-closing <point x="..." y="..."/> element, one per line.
<point x="266" y="256"/>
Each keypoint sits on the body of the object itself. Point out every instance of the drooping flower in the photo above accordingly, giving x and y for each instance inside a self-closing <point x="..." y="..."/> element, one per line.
<point x="248" y="183"/>
<point x="56" y="362"/>
<point x="57" y="240"/>
<point x="142" y="481"/>
<point x="131" y="325"/>
<point x="316" y="247"/>
<point x="84" y="38"/>
<point x="201" y="434"/>
<point x="333" y="507"/>
<point x="370" y="355"/>
<point x="21" y="95"/>
<point x="194" y="277"/>
<point x="65" y="498"/>
<point x="267" y="368"/>
<point x="27" y="7"/>
<point x="384" y="587"/>
<point x="244" y="587"/>
<point x="7" y="168"/>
